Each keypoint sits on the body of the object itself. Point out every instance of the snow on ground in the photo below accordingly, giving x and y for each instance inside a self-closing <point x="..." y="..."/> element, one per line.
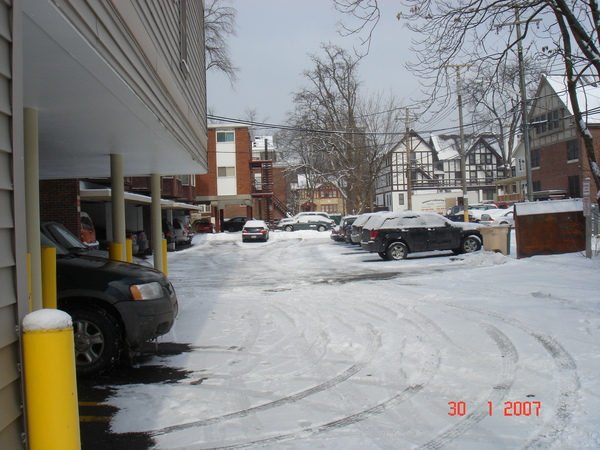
<point x="302" y="342"/>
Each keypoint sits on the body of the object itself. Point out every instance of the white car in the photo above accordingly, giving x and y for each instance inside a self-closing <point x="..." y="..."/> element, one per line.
<point x="294" y="219"/>
<point x="477" y="210"/>
<point x="498" y="217"/>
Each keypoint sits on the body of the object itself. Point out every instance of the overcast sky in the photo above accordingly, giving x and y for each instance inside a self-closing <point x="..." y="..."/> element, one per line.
<point x="272" y="48"/>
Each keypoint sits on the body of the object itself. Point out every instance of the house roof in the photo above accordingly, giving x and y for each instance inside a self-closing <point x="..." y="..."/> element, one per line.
<point x="588" y="95"/>
<point x="447" y="145"/>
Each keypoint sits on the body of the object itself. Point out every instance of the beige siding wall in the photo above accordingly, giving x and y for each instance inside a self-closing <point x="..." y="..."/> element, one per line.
<point x="170" y="31"/>
<point x="140" y="40"/>
<point x="10" y="381"/>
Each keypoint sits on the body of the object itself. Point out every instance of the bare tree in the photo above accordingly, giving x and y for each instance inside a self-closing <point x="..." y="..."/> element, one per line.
<point x="496" y="103"/>
<point x="464" y="32"/>
<point x="219" y="25"/>
<point x="337" y="136"/>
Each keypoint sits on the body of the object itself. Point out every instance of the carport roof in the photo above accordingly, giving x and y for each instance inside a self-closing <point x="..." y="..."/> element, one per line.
<point x="105" y="195"/>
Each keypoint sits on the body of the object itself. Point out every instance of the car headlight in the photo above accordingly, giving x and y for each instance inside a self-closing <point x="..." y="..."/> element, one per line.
<point x="148" y="291"/>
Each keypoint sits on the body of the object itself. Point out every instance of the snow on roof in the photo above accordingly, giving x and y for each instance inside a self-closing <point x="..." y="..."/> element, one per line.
<point x="588" y="95"/>
<point x="447" y="145"/>
<point x="549" y="206"/>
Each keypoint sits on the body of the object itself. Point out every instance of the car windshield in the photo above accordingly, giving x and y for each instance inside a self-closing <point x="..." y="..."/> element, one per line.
<point x="64" y="237"/>
<point x="46" y="241"/>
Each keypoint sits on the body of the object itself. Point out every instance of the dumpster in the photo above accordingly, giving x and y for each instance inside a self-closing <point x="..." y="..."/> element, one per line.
<point x="496" y="239"/>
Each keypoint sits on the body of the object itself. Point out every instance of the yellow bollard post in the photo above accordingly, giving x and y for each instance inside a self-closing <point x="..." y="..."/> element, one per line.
<point x="164" y="257"/>
<point x="50" y="381"/>
<point x="129" y="249"/>
<point x="49" y="291"/>
<point x="115" y="251"/>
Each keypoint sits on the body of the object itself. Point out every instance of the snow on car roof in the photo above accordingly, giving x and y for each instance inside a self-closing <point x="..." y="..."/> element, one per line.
<point x="255" y="223"/>
<point x="407" y="219"/>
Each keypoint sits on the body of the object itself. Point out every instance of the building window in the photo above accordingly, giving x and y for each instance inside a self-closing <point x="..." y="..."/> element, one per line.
<point x="401" y="199"/>
<point x="553" y="120"/>
<point x="225" y="136"/>
<point x="226" y="171"/>
<point x="574" y="186"/>
<point x="328" y="193"/>
<point x="472" y="159"/>
<point x="547" y="122"/>
<point x="572" y="150"/>
<point x="535" y="158"/>
<point x="329" y="208"/>
<point x="536" y="186"/>
<point x="487" y="158"/>
<point x="458" y="175"/>
<point x="472" y="174"/>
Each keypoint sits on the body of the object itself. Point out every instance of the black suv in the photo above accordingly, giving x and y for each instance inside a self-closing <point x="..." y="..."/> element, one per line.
<point x="394" y="235"/>
<point x="115" y="306"/>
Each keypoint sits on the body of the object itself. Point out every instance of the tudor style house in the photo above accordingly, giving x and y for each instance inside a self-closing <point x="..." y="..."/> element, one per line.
<point x="559" y="164"/>
<point x="420" y="171"/>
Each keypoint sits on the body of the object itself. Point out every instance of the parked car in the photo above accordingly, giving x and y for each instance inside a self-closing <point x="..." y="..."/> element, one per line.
<point x="346" y="227"/>
<point x="255" y="230"/>
<point x="57" y="232"/>
<point x="456" y="214"/>
<point x="234" y="224"/>
<point x="168" y="234"/>
<point x="183" y="230"/>
<point x="357" y="226"/>
<point x="341" y="232"/>
<point x="115" y="306"/>
<point x="303" y="214"/>
<point x="203" y="226"/>
<point x="308" y="222"/>
<point x="335" y="233"/>
<point x="393" y="237"/>
<point x="498" y="217"/>
<point x="475" y="211"/>
<point x="88" y="232"/>
<point x="142" y="242"/>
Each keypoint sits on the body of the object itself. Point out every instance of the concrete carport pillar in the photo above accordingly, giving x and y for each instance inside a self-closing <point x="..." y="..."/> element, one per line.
<point x="32" y="205"/>
<point x="118" y="201"/>
<point x="156" y="219"/>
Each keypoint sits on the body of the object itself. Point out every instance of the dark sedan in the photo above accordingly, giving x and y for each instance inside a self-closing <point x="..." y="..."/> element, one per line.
<point x="394" y="235"/>
<point x="235" y="224"/>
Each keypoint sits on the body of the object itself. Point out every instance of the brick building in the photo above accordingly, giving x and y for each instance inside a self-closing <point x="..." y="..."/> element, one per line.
<point x="241" y="181"/>
<point x="559" y="165"/>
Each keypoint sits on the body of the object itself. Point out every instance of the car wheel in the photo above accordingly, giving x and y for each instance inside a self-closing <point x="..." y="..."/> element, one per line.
<point x="470" y="244"/>
<point x="397" y="251"/>
<point x="289" y="228"/>
<point x="321" y="228"/>
<point x="98" y="340"/>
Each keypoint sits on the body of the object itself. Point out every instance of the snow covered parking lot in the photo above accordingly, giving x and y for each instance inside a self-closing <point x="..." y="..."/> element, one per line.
<point x="302" y="342"/>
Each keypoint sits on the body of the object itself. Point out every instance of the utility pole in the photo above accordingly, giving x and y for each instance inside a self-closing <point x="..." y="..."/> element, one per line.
<point x="408" y="159"/>
<point x="463" y="169"/>
<point x="523" y="92"/>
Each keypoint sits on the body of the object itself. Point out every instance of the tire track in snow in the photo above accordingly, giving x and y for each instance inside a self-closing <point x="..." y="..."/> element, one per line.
<point x="506" y="378"/>
<point x="370" y="351"/>
<point x="568" y="378"/>
<point x="432" y="337"/>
